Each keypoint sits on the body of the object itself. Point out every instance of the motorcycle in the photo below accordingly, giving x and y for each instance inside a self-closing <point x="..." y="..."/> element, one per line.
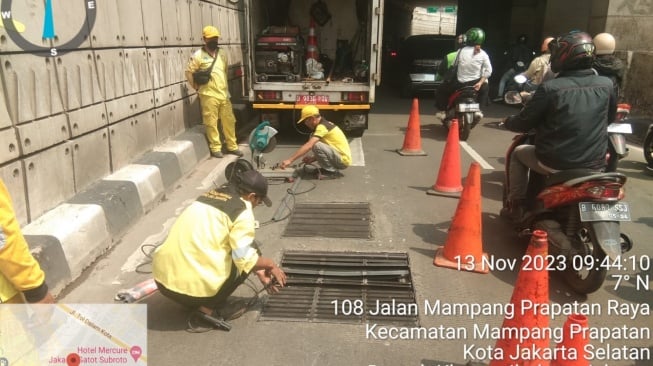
<point x="617" y="149"/>
<point x="648" y="148"/>
<point x="581" y="211"/>
<point x="463" y="105"/>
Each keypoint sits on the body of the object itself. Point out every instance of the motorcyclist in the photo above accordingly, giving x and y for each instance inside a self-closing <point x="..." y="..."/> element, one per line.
<point x="569" y="115"/>
<point x="519" y="57"/>
<point x="606" y="63"/>
<point x="474" y="69"/>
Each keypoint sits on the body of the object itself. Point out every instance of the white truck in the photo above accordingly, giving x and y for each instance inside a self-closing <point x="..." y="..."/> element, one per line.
<point x="323" y="52"/>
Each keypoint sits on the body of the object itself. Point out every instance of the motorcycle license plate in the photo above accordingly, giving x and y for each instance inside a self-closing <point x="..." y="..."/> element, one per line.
<point x="620" y="128"/>
<point x="600" y="211"/>
<point x="468" y="107"/>
<point x="312" y="99"/>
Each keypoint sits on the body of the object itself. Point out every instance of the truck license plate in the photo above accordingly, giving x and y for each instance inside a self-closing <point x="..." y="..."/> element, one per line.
<point x="471" y="107"/>
<point x="312" y="99"/>
<point x="601" y="211"/>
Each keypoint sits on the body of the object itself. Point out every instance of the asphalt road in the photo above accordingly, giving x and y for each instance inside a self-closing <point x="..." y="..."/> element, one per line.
<point x="405" y="219"/>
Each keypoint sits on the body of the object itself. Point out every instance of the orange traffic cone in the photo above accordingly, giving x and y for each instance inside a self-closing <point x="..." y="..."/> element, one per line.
<point x="412" y="138"/>
<point x="577" y="341"/>
<point x="464" y="238"/>
<point x="448" y="182"/>
<point x="531" y="288"/>
<point x="311" y="45"/>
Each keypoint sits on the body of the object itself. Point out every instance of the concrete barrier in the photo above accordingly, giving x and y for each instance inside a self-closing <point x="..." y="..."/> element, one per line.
<point x="70" y="237"/>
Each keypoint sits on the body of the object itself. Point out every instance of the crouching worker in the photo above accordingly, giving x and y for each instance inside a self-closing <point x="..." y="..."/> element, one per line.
<point x="327" y="142"/>
<point x="210" y="249"/>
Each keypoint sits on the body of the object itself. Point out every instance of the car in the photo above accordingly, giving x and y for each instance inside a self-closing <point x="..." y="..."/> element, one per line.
<point x="419" y="58"/>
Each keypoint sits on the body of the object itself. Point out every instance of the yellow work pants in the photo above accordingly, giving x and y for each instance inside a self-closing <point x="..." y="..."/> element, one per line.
<point x="212" y="111"/>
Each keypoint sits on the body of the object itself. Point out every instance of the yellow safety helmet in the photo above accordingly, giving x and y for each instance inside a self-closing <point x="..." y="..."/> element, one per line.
<point x="308" y="111"/>
<point x="210" y="32"/>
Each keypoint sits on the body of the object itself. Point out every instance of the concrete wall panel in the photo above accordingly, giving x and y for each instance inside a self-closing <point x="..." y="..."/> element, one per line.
<point x="107" y="31"/>
<point x="207" y="16"/>
<point x="176" y="66"/>
<point x="165" y="123"/>
<point x="178" y="123"/>
<point x="111" y="70"/>
<point x="158" y="58"/>
<point x="131" y="138"/>
<point x="75" y="18"/>
<point x="170" y="16"/>
<point x="137" y="73"/>
<point x="9" y="147"/>
<point x="185" y="28"/>
<point x="78" y="79"/>
<point x="50" y="179"/>
<point x="31" y="87"/>
<point x="5" y="120"/>
<point x="152" y="23"/>
<point x="131" y="23"/>
<point x="192" y="111"/>
<point x="43" y="133"/>
<point x="91" y="158"/>
<point x="119" y="109"/>
<point x="13" y="175"/>
<point x="25" y="20"/>
<point x="87" y="119"/>
<point x="196" y="9"/>
<point x="168" y="94"/>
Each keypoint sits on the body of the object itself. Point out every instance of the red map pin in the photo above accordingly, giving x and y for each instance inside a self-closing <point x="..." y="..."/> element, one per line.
<point x="73" y="359"/>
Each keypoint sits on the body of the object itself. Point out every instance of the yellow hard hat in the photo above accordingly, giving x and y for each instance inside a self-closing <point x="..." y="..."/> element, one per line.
<point x="308" y="111"/>
<point x="210" y="32"/>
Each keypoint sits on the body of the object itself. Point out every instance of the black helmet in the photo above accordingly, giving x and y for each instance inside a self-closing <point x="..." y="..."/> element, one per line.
<point x="572" y="51"/>
<point x="475" y="36"/>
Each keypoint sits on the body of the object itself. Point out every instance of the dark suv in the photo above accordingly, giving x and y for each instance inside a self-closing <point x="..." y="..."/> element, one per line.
<point x="419" y="58"/>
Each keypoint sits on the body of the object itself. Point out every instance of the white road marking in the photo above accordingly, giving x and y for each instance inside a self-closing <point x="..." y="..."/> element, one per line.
<point x="357" y="154"/>
<point x="475" y="155"/>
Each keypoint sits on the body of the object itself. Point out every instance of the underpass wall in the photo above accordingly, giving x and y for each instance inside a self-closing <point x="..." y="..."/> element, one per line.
<point x="89" y="86"/>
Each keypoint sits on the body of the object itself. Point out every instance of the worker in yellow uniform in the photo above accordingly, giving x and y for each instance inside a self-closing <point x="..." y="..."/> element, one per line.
<point x="21" y="280"/>
<point x="21" y="277"/>
<point x="210" y="249"/>
<point x="327" y="142"/>
<point x="214" y="95"/>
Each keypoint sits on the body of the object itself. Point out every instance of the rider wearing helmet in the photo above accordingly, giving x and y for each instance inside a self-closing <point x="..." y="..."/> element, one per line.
<point x="569" y="115"/>
<point x="474" y="69"/>
<point x="518" y="58"/>
<point x="606" y="63"/>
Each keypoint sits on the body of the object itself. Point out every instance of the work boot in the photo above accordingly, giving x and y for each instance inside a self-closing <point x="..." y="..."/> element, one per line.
<point x="217" y="154"/>
<point x="215" y="320"/>
<point x="236" y="152"/>
<point x="323" y="174"/>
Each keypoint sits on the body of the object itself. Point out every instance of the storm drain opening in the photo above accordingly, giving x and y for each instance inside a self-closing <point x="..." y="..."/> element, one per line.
<point x="331" y="220"/>
<point x="345" y="287"/>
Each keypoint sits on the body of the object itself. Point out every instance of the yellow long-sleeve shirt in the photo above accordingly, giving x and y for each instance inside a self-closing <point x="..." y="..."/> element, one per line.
<point x="217" y="87"/>
<point x="19" y="271"/>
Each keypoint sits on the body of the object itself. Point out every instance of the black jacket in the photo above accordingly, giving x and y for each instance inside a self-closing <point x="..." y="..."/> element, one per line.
<point x="611" y="67"/>
<point x="570" y="116"/>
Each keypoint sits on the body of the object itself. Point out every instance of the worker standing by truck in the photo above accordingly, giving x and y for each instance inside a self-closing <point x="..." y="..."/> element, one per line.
<point x="214" y="93"/>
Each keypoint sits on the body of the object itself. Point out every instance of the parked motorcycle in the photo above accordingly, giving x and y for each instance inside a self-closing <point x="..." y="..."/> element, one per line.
<point x="617" y="148"/>
<point x="463" y="105"/>
<point x="648" y="148"/>
<point x="581" y="211"/>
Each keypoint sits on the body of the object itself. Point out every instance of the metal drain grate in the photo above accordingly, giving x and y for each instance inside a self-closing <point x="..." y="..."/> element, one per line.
<point x="345" y="287"/>
<point x="331" y="220"/>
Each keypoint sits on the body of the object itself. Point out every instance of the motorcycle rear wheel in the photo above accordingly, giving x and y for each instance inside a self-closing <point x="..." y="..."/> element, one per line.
<point x="648" y="149"/>
<point x="583" y="280"/>
<point x="466" y="125"/>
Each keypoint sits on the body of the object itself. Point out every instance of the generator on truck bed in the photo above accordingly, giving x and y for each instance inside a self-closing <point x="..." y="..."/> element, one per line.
<point x="322" y="52"/>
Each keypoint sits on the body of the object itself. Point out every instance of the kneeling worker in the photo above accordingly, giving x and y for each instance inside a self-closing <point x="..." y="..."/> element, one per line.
<point x="328" y="143"/>
<point x="210" y="249"/>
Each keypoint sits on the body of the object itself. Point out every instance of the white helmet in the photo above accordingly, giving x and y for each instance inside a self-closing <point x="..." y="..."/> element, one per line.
<point x="605" y="44"/>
